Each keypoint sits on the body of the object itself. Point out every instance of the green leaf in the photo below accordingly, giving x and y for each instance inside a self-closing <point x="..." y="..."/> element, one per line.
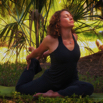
<point x="17" y="12"/>
<point x="27" y="9"/>
<point x="3" y="32"/>
<point x="12" y="34"/>
<point x="7" y="32"/>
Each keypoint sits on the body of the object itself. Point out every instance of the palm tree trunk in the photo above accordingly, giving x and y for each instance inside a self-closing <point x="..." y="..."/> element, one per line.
<point x="91" y="12"/>
<point x="37" y="34"/>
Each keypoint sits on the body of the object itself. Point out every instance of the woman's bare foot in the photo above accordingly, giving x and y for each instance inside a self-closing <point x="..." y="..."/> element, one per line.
<point x="31" y="49"/>
<point x="49" y="93"/>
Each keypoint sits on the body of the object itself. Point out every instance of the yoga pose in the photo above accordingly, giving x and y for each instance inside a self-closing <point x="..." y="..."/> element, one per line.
<point x="61" y="79"/>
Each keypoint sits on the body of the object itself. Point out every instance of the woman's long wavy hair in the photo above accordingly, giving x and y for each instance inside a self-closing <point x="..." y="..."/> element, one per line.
<point x="54" y="28"/>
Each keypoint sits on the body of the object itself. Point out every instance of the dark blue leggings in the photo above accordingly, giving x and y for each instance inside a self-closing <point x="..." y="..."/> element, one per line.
<point x="26" y="84"/>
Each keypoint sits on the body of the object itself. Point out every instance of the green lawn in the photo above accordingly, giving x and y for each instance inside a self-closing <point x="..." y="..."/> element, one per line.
<point x="10" y="73"/>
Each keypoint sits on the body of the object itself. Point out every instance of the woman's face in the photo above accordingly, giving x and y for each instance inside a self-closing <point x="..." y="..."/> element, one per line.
<point x="66" y="20"/>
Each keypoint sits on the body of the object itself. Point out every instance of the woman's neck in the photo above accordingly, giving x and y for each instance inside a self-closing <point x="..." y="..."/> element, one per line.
<point x="66" y="33"/>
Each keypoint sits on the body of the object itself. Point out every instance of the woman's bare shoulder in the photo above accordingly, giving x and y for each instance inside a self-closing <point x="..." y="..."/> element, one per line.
<point x="49" y="38"/>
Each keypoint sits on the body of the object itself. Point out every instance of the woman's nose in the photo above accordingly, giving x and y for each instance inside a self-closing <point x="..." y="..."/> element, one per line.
<point x="71" y="18"/>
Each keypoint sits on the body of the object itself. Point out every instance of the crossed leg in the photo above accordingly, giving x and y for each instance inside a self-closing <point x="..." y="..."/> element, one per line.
<point x="26" y="84"/>
<point x="77" y="87"/>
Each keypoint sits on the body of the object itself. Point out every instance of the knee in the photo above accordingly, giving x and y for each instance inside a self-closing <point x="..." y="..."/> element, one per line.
<point x="34" y="63"/>
<point x="90" y="89"/>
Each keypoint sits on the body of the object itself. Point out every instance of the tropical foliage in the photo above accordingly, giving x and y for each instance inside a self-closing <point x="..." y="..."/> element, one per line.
<point x="83" y="9"/>
<point x="20" y="34"/>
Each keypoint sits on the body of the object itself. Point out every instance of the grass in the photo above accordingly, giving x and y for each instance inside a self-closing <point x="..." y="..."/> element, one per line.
<point x="10" y="73"/>
<point x="29" y="99"/>
<point x="96" y="81"/>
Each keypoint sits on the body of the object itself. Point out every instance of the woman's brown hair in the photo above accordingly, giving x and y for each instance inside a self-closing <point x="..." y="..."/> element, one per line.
<point x="54" y="28"/>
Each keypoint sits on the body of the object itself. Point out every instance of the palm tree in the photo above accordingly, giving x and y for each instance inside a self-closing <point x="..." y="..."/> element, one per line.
<point x="20" y="34"/>
<point x="18" y="31"/>
<point x="11" y="4"/>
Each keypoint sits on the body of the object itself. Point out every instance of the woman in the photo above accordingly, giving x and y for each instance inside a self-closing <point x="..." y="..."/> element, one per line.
<point x="61" y="79"/>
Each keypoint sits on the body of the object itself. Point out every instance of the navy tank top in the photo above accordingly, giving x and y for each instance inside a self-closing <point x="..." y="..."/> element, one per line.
<point x="63" y="67"/>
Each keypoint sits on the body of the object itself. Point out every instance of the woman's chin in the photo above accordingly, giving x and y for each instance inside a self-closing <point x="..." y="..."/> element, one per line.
<point x="70" y="26"/>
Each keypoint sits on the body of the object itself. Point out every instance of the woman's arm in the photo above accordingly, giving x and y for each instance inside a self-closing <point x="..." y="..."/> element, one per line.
<point x="44" y="46"/>
<point x="45" y="54"/>
<point x="40" y="50"/>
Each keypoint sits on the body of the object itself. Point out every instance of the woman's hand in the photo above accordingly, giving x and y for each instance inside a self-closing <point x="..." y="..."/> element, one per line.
<point x="28" y="62"/>
<point x="31" y="49"/>
<point x="40" y="57"/>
